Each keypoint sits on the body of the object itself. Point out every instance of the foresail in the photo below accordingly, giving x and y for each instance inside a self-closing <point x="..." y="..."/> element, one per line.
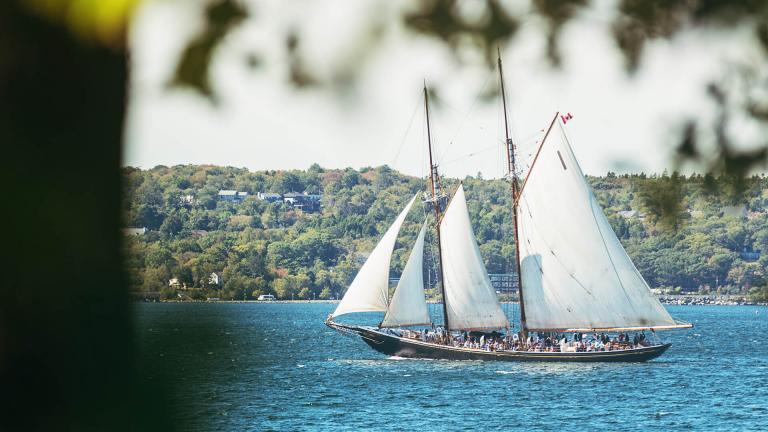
<point x="470" y="299"/>
<point x="369" y="290"/>
<point x="409" y="305"/>
<point x="575" y="272"/>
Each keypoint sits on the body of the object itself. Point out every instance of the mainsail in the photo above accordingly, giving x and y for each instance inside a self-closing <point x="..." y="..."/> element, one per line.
<point x="370" y="288"/>
<point x="471" y="302"/>
<point x="409" y="306"/>
<point x="575" y="272"/>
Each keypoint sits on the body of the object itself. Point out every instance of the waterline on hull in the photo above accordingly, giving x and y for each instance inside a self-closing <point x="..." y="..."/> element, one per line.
<point x="401" y="347"/>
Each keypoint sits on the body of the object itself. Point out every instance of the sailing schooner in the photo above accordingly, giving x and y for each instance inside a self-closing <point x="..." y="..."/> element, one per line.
<point x="574" y="275"/>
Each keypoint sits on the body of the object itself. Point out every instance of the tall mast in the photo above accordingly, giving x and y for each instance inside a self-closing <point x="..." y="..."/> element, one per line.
<point x="433" y="179"/>
<point x="515" y="193"/>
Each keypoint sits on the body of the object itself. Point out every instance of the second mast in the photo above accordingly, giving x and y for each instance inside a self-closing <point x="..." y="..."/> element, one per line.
<point x="435" y="200"/>
<point x="510" y="150"/>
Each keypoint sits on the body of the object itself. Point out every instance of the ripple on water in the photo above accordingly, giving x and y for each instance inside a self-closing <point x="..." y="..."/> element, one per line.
<point x="292" y="373"/>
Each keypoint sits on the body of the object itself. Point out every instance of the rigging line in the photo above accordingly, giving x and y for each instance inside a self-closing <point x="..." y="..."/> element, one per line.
<point x="407" y="130"/>
<point x="502" y="157"/>
<point x="423" y="153"/>
<point x="529" y="140"/>
<point x="468" y="155"/>
<point x="466" y="115"/>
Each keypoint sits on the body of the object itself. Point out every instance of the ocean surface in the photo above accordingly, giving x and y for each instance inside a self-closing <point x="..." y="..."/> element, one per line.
<point x="251" y="366"/>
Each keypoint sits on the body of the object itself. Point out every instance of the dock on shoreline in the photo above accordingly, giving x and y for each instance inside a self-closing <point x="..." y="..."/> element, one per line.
<point x="706" y="299"/>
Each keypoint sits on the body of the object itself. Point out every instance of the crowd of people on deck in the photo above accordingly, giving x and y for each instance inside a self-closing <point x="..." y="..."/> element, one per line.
<point x="536" y="342"/>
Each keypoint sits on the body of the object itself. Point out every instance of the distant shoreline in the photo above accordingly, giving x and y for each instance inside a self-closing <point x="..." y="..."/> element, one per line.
<point x="235" y="301"/>
<point x="669" y="300"/>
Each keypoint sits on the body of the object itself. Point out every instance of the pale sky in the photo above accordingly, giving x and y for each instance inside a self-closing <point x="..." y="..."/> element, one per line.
<point x="621" y="123"/>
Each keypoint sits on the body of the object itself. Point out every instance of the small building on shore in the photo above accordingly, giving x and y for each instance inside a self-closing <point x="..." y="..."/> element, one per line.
<point x="504" y="283"/>
<point x="749" y="255"/>
<point x="270" y="197"/>
<point x="130" y="232"/>
<point x="232" y="196"/>
<point x="304" y="201"/>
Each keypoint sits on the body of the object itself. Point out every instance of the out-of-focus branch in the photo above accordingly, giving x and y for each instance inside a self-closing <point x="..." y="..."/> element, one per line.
<point x="193" y="69"/>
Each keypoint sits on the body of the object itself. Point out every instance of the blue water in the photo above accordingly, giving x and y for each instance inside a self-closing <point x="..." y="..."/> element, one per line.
<point x="277" y="367"/>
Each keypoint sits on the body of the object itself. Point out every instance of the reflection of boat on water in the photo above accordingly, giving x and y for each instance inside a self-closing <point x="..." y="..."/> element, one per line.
<point x="575" y="277"/>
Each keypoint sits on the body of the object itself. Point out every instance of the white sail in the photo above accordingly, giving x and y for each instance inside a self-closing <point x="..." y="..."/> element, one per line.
<point x="370" y="288"/>
<point x="409" y="305"/>
<point x="470" y="299"/>
<point x="575" y="272"/>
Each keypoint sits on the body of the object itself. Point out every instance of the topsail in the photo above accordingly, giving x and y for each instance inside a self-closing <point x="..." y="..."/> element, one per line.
<point x="575" y="272"/>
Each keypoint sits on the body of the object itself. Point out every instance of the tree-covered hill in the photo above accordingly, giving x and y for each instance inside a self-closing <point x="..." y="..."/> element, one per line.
<point x="689" y="233"/>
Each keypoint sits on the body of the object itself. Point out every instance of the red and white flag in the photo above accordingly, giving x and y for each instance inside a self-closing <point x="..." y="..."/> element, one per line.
<point x="566" y="117"/>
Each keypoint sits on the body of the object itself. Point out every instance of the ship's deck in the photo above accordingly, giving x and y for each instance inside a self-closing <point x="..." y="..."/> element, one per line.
<point x="391" y="344"/>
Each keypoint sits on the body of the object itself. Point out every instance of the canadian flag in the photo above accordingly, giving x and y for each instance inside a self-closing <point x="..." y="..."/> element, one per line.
<point x="566" y="117"/>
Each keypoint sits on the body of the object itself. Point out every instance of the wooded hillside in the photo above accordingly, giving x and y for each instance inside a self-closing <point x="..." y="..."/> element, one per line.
<point x="684" y="233"/>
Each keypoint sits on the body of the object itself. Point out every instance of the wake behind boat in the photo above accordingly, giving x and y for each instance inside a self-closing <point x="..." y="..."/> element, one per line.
<point x="581" y="297"/>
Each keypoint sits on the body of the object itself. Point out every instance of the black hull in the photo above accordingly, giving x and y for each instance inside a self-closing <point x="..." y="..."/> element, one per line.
<point x="396" y="346"/>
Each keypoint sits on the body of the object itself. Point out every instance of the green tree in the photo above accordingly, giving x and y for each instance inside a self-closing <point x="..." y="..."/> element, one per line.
<point x="325" y="294"/>
<point x="171" y="225"/>
<point x="156" y="279"/>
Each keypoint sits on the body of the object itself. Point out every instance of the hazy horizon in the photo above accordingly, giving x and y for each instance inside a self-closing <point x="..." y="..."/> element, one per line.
<point x="622" y="122"/>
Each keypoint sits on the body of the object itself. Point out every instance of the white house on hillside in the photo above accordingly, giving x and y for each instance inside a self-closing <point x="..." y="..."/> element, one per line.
<point x="215" y="279"/>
